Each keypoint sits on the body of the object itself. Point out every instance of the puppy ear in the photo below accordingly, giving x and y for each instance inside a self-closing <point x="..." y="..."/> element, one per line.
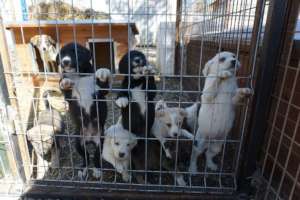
<point x="205" y="70"/>
<point x="85" y="54"/>
<point x="160" y="105"/>
<point x="112" y="130"/>
<point x="133" y="140"/>
<point x="51" y="40"/>
<point x="159" y="113"/>
<point x="34" y="40"/>
<point x="182" y="112"/>
<point x="57" y="60"/>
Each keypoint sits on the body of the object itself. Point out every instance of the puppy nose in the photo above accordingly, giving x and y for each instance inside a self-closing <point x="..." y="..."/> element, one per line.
<point x="66" y="62"/>
<point x="233" y="62"/>
<point x="175" y="134"/>
<point x="44" y="49"/>
<point x="121" y="155"/>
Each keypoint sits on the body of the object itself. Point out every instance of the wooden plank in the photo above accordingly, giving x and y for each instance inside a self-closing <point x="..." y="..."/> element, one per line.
<point x="20" y="144"/>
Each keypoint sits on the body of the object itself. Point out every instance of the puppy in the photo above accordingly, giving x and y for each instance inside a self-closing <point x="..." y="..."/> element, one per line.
<point x="42" y="137"/>
<point x="138" y="80"/>
<point x="87" y="107"/>
<point x="216" y="115"/>
<point x="138" y="115"/>
<point x="167" y="124"/>
<point x="117" y="147"/>
<point x="47" y="50"/>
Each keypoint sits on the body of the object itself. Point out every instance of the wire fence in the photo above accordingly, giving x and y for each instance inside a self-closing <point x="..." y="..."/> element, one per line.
<point x="177" y="38"/>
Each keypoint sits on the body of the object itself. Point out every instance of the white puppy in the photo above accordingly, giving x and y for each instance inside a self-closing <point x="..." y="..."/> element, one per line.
<point x="217" y="112"/>
<point x="117" y="147"/>
<point x="167" y="124"/>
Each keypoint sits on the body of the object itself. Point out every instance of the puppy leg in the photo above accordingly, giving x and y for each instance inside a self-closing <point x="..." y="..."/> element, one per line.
<point x="55" y="157"/>
<point x="122" y="102"/>
<point x="240" y="94"/>
<point x="225" y="74"/>
<point x="180" y="180"/>
<point x="211" y="152"/>
<point x="82" y="174"/>
<point x="125" y="174"/>
<point x="187" y="134"/>
<point x="198" y="148"/>
<point x="103" y="76"/>
<point x="42" y="167"/>
<point x="166" y="150"/>
<point x="210" y="88"/>
<point x="96" y="171"/>
<point x="66" y="84"/>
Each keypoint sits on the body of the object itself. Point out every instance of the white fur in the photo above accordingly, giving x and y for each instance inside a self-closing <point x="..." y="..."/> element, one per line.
<point x="139" y="97"/>
<point x="217" y="112"/>
<point x="122" y="102"/>
<point x="118" y="140"/>
<point x="47" y="49"/>
<point x="83" y="89"/>
<point x="103" y="74"/>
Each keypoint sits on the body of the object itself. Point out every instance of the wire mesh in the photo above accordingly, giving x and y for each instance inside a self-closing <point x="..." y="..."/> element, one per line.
<point x="177" y="37"/>
<point x="280" y="163"/>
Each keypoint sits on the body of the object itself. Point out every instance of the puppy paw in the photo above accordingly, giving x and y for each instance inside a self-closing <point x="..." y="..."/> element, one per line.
<point x="180" y="180"/>
<point x="126" y="177"/>
<point x="83" y="174"/>
<point x="66" y="84"/>
<point x="245" y="92"/>
<point x="168" y="154"/>
<point x="212" y="166"/>
<point x="122" y="102"/>
<point x="149" y="70"/>
<point x="193" y="169"/>
<point x="225" y="74"/>
<point x="103" y="74"/>
<point x="97" y="173"/>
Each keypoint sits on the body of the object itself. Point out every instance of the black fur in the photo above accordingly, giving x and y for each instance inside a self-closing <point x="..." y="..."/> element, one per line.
<point x="138" y="119"/>
<point x="98" y="110"/>
<point x="79" y="61"/>
<point x="138" y="123"/>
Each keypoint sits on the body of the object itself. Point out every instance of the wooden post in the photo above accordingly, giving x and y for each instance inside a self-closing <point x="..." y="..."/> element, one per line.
<point x="17" y="138"/>
<point x="177" y="37"/>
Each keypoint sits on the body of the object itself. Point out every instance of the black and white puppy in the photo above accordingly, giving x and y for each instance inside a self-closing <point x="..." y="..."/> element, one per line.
<point x="139" y="78"/>
<point x="87" y="107"/>
<point x="136" y="102"/>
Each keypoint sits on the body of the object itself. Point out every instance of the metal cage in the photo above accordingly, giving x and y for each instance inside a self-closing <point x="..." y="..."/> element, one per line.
<point x="178" y="38"/>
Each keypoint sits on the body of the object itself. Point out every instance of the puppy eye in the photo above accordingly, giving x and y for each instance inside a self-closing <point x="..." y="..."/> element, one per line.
<point x="169" y="125"/>
<point x="128" y="145"/>
<point x="222" y="59"/>
<point x="117" y="143"/>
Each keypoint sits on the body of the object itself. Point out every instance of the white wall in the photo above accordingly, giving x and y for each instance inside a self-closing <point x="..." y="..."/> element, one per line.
<point x="147" y="14"/>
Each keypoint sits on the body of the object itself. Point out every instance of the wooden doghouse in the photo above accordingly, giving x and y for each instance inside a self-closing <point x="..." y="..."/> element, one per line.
<point x="108" y="41"/>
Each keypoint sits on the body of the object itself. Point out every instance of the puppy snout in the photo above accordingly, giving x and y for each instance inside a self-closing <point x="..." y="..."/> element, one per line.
<point x="66" y="62"/>
<point x="233" y="63"/>
<point x="121" y="154"/>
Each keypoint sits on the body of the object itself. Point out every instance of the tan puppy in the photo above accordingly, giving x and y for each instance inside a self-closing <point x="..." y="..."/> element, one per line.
<point x="47" y="50"/>
<point x="167" y="124"/>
